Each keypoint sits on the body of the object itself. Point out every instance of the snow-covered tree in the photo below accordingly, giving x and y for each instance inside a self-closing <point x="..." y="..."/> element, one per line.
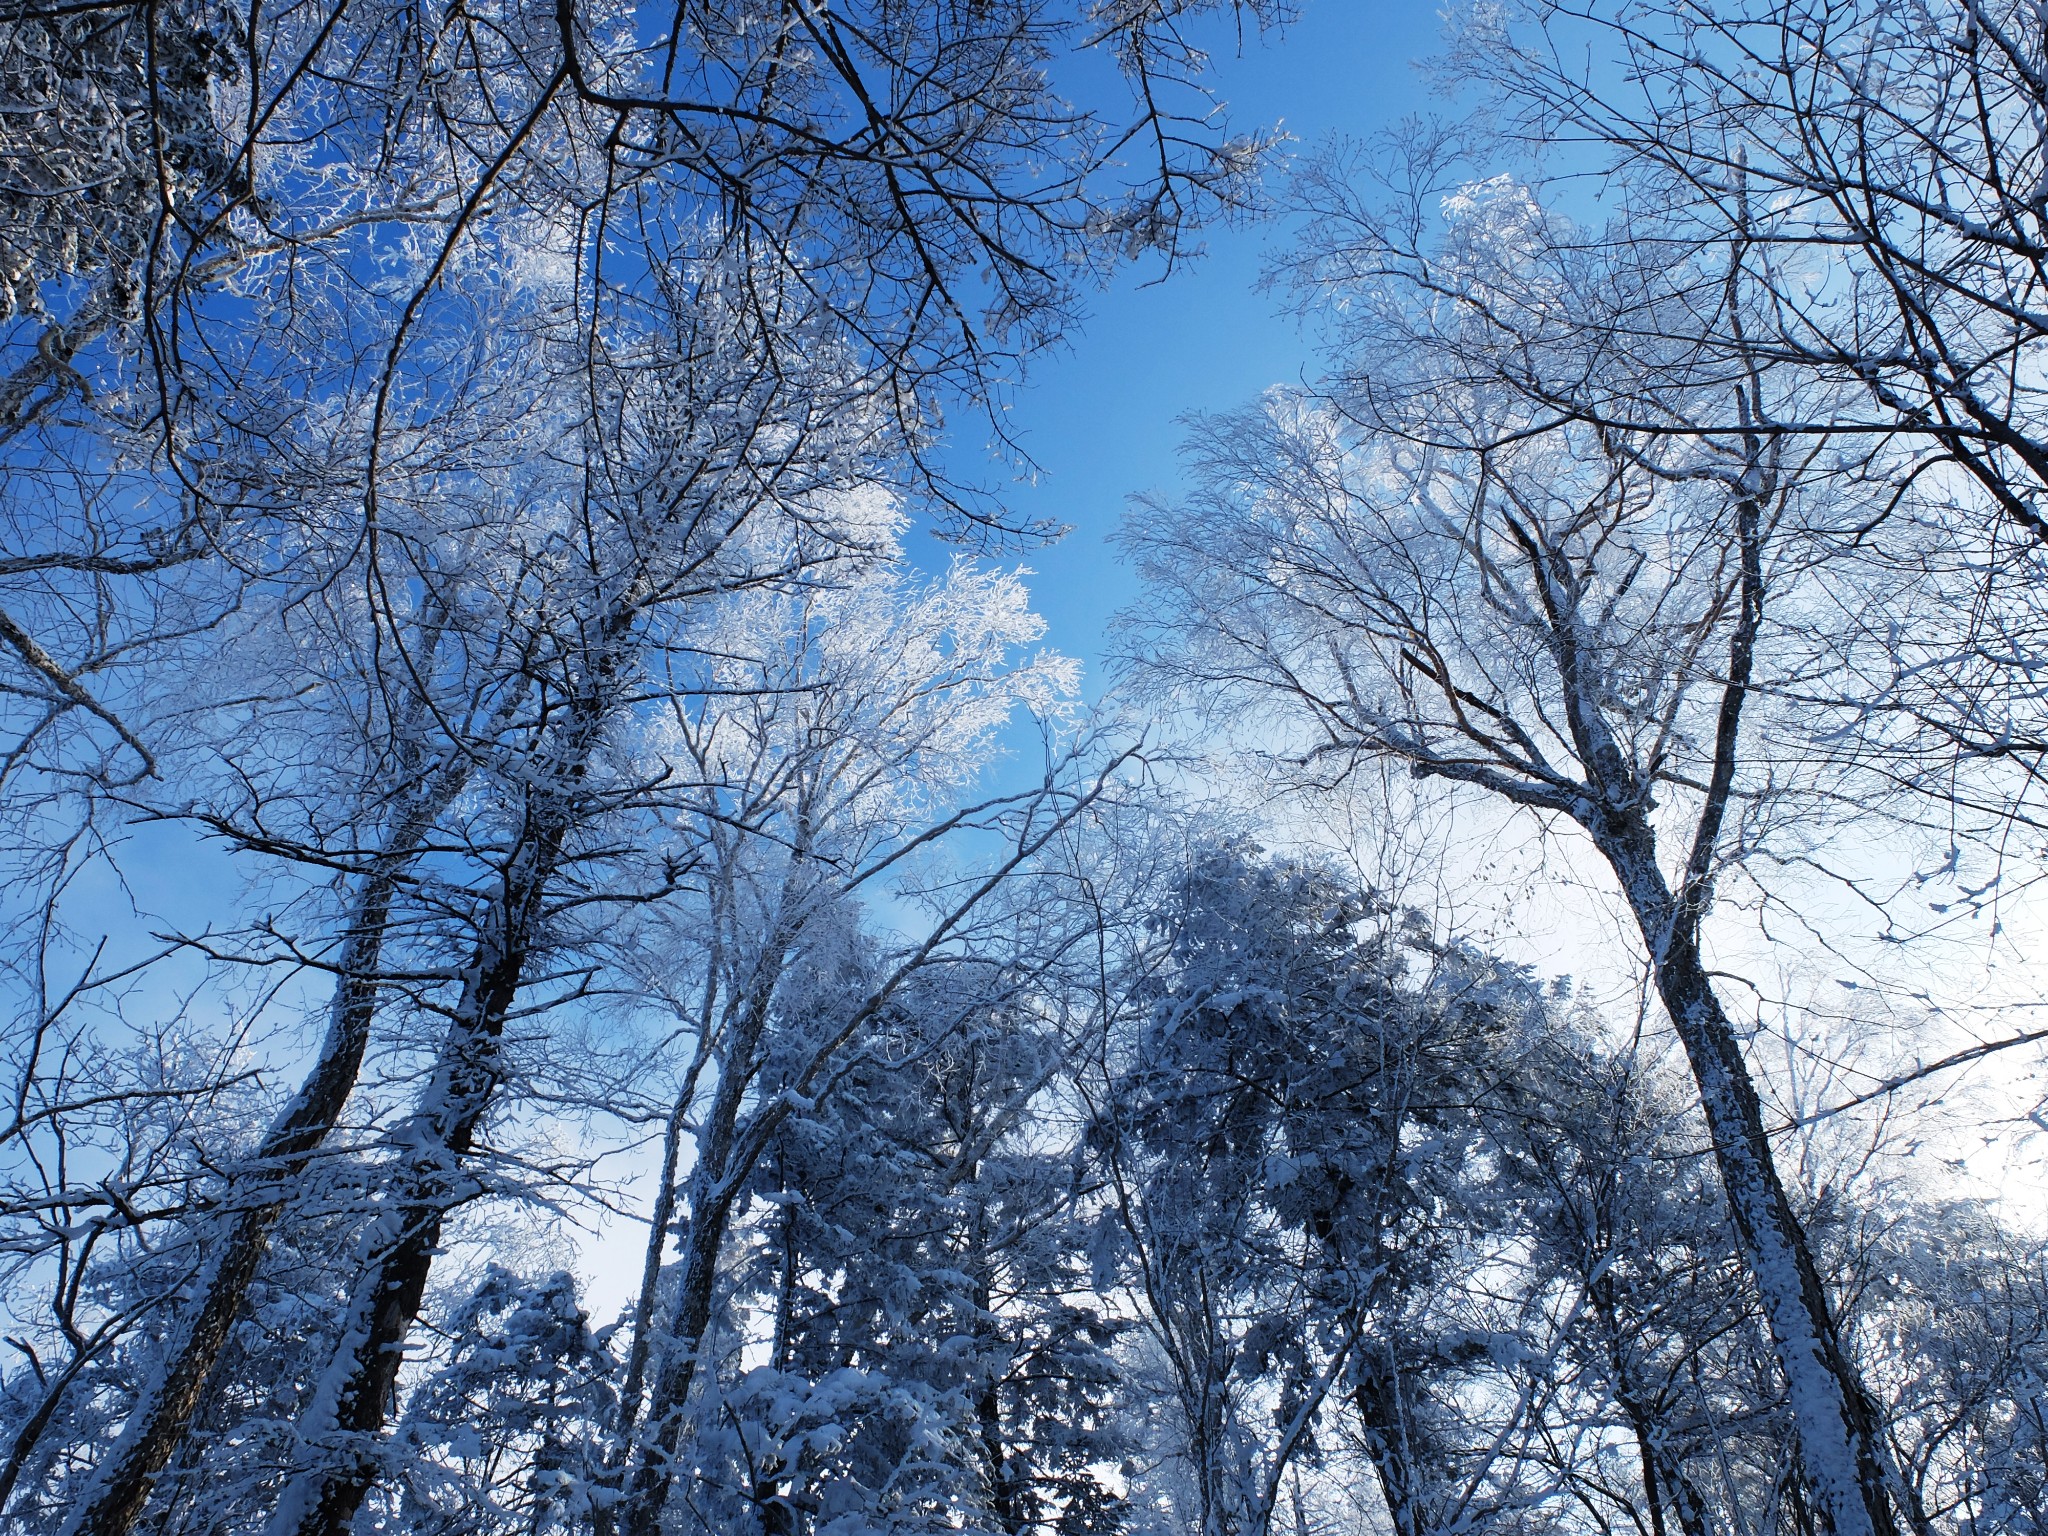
<point x="1667" y="1410"/>
<point x="1431" y="564"/>
<point x="507" y="1433"/>
<point x="918" y="1252"/>
<point x="1292" y="1145"/>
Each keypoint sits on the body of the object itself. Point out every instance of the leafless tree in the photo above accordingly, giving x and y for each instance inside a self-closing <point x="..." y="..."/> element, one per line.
<point x="1433" y="562"/>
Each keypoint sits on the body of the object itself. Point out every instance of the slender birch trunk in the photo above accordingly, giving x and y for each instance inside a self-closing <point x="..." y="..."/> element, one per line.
<point x="728" y="1151"/>
<point x="1377" y="1397"/>
<point x="662" y="1220"/>
<point x="1009" y="1499"/>
<point x="38" y="1420"/>
<point x="1664" y="1481"/>
<point x="335" y="1465"/>
<point x="773" y="1492"/>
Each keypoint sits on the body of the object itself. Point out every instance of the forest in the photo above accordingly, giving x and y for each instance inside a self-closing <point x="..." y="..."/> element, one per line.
<point x="577" y="959"/>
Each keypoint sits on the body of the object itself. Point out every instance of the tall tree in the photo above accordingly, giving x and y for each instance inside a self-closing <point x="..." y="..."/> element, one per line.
<point x="854" y="720"/>
<point x="1432" y="564"/>
<point x="1667" y="1342"/>
<point x="1290" y="1142"/>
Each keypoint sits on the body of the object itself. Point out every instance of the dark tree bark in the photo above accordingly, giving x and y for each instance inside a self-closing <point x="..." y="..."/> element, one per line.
<point x="1376" y="1395"/>
<point x="355" y="1394"/>
<point x="156" y="1426"/>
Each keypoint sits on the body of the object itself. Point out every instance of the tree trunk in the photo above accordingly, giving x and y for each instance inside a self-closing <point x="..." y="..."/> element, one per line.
<point x="1004" y="1497"/>
<point x="773" y="1491"/>
<point x="1377" y="1397"/>
<point x="715" y="1186"/>
<point x="1008" y="1495"/>
<point x="662" y="1219"/>
<point x="1664" y="1479"/>
<point x="38" y="1420"/>
<point x="335" y="1466"/>
<point x="1836" y="1423"/>
<point x="158" y="1422"/>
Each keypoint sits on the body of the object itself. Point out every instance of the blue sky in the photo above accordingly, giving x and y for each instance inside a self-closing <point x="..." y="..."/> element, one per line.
<point x="1100" y="415"/>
